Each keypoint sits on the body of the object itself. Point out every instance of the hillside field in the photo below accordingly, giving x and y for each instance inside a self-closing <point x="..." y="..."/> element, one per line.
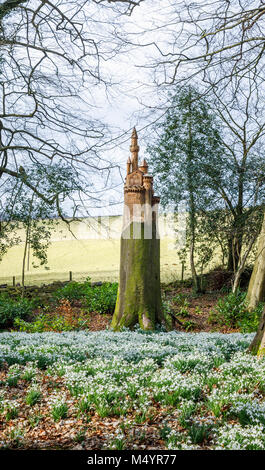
<point x="91" y="248"/>
<point x="98" y="259"/>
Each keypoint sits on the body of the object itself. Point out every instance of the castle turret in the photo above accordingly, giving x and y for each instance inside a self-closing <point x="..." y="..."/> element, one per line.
<point x="129" y="165"/>
<point x="144" y="167"/>
<point x="134" y="148"/>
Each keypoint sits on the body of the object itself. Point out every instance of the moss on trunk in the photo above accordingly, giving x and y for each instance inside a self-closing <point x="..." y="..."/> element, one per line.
<point x="139" y="294"/>
<point x="256" y="288"/>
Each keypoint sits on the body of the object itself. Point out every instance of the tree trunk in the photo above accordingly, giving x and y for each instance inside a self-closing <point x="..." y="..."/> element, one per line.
<point x="234" y="253"/>
<point x="236" y="282"/>
<point x="27" y="242"/>
<point x="256" y="288"/>
<point x="139" y="294"/>
<point x="257" y="346"/>
<point x="242" y="264"/>
<point x="230" y="260"/>
<point x="195" y="279"/>
<point x="190" y="178"/>
<point x="24" y="261"/>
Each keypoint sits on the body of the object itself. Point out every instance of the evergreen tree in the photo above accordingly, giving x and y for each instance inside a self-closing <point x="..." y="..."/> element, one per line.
<point x="194" y="159"/>
<point x="185" y="157"/>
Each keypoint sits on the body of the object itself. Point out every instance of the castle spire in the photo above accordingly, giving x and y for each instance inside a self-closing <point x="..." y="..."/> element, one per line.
<point x="134" y="148"/>
<point x="129" y="163"/>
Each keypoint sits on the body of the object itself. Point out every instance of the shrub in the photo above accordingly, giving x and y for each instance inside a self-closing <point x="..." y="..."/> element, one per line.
<point x="73" y="290"/>
<point x="232" y="311"/>
<point x="64" y="318"/>
<point x="43" y="322"/>
<point x="102" y="299"/>
<point x="250" y="321"/>
<point x="11" y="309"/>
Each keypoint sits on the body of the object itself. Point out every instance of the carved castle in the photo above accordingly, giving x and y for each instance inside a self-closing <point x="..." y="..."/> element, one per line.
<point x="139" y="198"/>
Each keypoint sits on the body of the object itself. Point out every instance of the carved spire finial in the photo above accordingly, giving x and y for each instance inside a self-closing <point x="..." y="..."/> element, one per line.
<point x="134" y="148"/>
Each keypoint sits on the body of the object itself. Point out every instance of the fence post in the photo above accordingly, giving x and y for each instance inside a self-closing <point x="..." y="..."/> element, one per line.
<point x="14" y="281"/>
<point x="70" y="276"/>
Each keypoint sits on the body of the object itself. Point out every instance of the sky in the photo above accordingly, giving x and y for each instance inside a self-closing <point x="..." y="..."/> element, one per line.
<point x="133" y="99"/>
<point x="126" y="103"/>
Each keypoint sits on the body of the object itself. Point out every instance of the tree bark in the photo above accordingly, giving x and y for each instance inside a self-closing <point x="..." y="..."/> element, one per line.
<point x="196" y="284"/>
<point x="230" y="259"/>
<point x="257" y="346"/>
<point x="190" y="177"/>
<point x="256" y="288"/>
<point x="242" y="264"/>
<point x="24" y="260"/>
<point x="234" y="250"/>
<point x="139" y="294"/>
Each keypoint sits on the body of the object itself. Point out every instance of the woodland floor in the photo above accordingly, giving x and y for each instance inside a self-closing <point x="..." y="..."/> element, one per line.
<point x="130" y="390"/>
<point x="33" y="427"/>
<point x="199" y="307"/>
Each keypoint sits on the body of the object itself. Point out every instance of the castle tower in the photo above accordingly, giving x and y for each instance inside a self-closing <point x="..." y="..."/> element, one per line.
<point x="139" y="295"/>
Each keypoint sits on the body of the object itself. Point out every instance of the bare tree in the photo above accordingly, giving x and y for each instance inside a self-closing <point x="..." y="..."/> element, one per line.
<point x="214" y="40"/>
<point x="243" y="138"/>
<point x="50" y="71"/>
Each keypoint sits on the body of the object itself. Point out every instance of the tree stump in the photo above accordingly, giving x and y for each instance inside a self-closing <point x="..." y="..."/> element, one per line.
<point x="139" y="294"/>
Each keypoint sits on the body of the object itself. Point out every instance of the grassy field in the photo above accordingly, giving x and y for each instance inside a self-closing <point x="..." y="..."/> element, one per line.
<point x="91" y="248"/>
<point x="98" y="259"/>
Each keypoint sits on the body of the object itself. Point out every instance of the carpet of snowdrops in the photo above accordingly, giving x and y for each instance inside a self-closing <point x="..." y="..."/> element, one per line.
<point x="131" y="390"/>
